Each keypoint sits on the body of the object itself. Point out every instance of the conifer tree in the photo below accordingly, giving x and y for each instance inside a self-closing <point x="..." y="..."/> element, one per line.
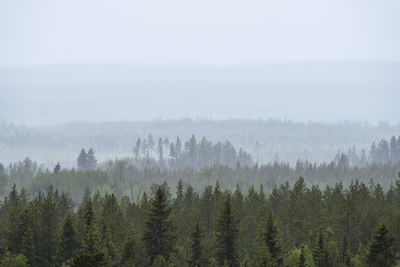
<point x="263" y="257"/>
<point x="68" y="245"/>
<point x="380" y="250"/>
<point x="137" y="148"/>
<point x="57" y="168"/>
<point x="226" y="235"/>
<point x="320" y="253"/>
<point x="270" y="237"/>
<point x="160" y="151"/>
<point x="159" y="234"/>
<point x="28" y="246"/>
<point x="82" y="160"/>
<point x="90" y="235"/>
<point x="91" y="160"/>
<point x="196" y="248"/>
<point x="128" y="251"/>
<point x="178" y="146"/>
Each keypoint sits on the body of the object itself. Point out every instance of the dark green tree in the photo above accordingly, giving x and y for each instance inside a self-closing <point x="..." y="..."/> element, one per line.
<point x="380" y="250"/>
<point x="128" y="251"/>
<point x="159" y="236"/>
<point x="196" y="248"/>
<point x="68" y="243"/>
<point x="89" y="259"/>
<point x="270" y="237"/>
<point x="320" y="252"/>
<point x="226" y="235"/>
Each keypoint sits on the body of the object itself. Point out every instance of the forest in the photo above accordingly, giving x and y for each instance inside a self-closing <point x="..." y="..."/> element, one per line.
<point x="297" y="225"/>
<point x="198" y="203"/>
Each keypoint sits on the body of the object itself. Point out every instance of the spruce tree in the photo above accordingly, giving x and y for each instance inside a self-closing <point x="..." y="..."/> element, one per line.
<point x="28" y="246"/>
<point x="128" y="251"/>
<point x="57" y="168"/>
<point x="263" y="257"/>
<point x="91" y="160"/>
<point x="380" y="250"/>
<point x="159" y="234"/>
<point x="226" y="235"/>
<point x="270" y="237"/>
<point x="82" y="160"/>
<point x="196" y="248"/>
<point x="68" y="245"/>
<point x="320" y="253"/>
<point x="90" y="238"/>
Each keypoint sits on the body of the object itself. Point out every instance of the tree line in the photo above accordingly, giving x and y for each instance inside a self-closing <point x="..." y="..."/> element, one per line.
<point x="292" y="226"/>
<point x="189" y="153"/>
<point x="382" y="152"/>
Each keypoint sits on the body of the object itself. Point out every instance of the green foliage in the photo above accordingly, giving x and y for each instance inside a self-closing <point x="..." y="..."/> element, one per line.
<point x="159" y="234"/>
<point x="196" y="249"/>
<point x="380" y="250"/>
<point x="69" y="245"/>
<point x="89" y="259"/>
<point x="320" y="252"/>
<point x="300" y="257"/>
<point x="12" y="260"/>
<point x="226" y="235"/>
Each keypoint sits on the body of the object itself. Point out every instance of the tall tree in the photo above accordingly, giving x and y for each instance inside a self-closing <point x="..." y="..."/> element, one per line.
<point x="196" y="248"/>
<point x="90" y="237"/>
<point x="160" y="151"/>
<point x="320" y="253"/>
<point x="159" y="233"/>
<point x="137" y="148"/>
<point x="91" y="160"/>
<point x="380" y="250"/>
<point x="68" y="244"/>
<point x="82" y="160"/>
<point x="226" y="235"/>
<point x="270" y="238"/>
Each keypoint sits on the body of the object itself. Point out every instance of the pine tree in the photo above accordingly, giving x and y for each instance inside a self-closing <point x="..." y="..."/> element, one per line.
<point x="320" y="253"/>
<point x="196" y="248"/>
<point x="137" y="148"/>
<point x="150" y="143"/>
<point x="57" y="168"/>
<point x="160" y="151"/>
<point x="380" y="250"/>
<point x="91" y="160"/>
<point x="48" y="230"/>
<point x="270" y="237"/>
<point x="128" y="251"/>
<point x="159" y="234"/>
<point x="28" y="246"/>
<point x="69" y="245"/>
<point x="263" y="257"/>
<point x="90" y="238"/>
<point x="82" y="160"/>
<point x="226" y="235"/>
<point x="178" y="146"/>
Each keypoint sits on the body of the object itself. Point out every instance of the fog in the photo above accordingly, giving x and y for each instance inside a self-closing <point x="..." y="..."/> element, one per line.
<point x="324" y="92"/>
<point x="143" y="60"/>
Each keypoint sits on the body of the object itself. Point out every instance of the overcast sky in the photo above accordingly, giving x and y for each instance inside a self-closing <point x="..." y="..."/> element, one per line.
<point x="197" y="31"/>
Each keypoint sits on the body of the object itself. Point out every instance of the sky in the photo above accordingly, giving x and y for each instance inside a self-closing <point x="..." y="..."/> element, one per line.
<point x="95" y="60"/>
<point x="208" y="32"/>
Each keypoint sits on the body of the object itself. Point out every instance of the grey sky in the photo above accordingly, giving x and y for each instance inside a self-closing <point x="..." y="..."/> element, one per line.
<point x="197" y="32"/>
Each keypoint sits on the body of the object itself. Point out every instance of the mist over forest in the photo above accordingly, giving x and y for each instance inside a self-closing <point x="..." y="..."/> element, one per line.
<point x="229" y="133"/>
